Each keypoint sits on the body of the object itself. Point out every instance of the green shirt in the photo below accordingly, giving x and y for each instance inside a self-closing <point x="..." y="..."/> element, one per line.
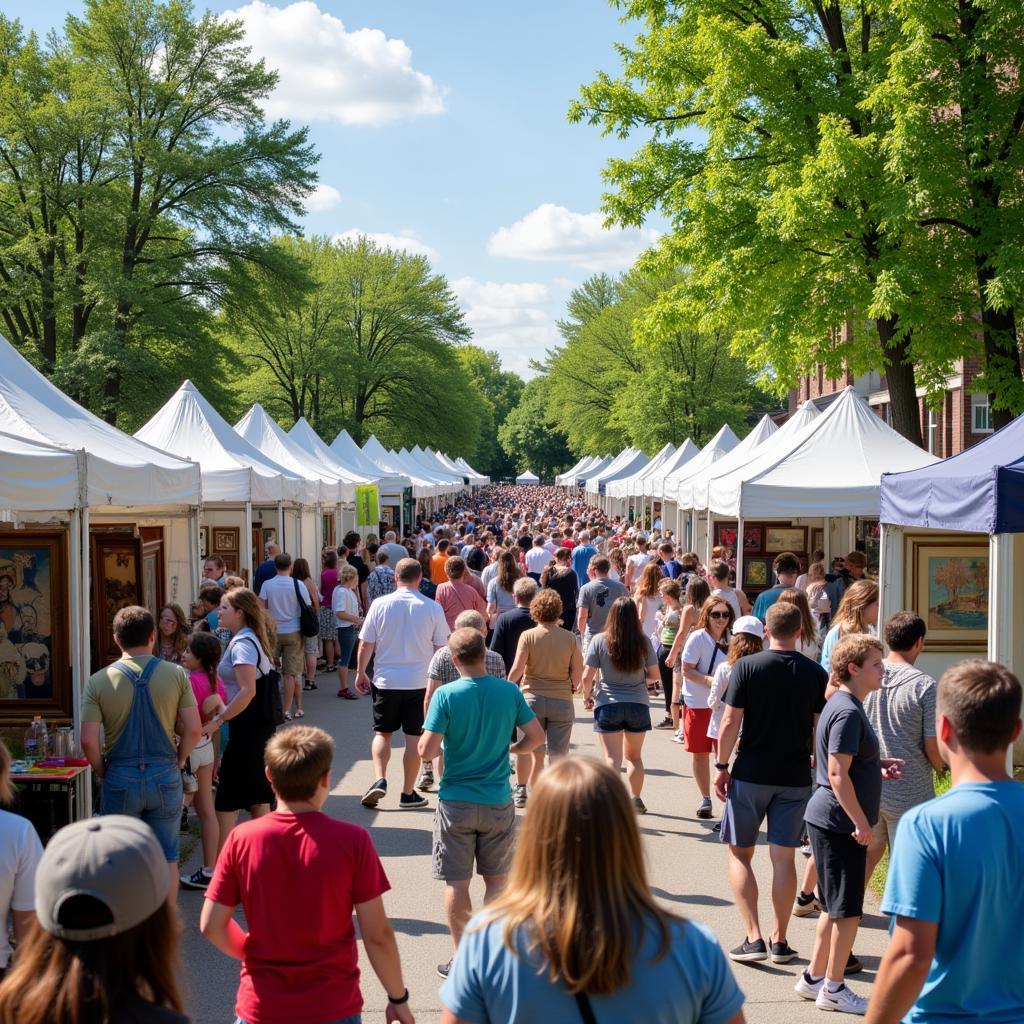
<point x="476" y="718"/>
<point x="108" y="697"/>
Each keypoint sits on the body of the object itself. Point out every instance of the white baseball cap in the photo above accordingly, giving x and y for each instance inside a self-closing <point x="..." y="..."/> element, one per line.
<point x="750" y="624"/>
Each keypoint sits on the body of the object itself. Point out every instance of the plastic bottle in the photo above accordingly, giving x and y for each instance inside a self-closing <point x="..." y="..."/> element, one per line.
<point x="36" y="740"/>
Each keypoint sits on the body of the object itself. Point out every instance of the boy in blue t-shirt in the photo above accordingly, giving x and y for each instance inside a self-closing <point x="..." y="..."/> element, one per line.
<point x="954" y="886"/>
<point x="475" y="822"/>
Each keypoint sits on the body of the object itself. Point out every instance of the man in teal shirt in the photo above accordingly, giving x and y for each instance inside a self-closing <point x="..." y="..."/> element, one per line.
<point x="475" y="820"/>
<point x="786" y="568"/>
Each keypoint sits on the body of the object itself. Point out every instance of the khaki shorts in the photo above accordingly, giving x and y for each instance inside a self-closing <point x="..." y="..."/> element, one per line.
<point x="556" y="717"/>
<point x="885" y="828"/>
<point x="465" y="833"/>
<point x="289" y="649"/>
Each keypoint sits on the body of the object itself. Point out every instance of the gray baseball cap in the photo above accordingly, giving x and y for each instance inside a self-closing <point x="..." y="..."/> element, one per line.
<point x="114" y="859"/>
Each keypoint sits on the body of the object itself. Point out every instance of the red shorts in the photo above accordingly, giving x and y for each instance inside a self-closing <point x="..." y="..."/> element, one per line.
<point x="695" y="730"/>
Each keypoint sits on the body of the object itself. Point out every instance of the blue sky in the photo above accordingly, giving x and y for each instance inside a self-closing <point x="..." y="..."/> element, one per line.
<point x="442" y="128"/>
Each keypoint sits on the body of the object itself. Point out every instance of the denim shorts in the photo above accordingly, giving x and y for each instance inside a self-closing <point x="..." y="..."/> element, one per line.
<point x="347" y="637"/>
<point x="624" y="717"/>
<point x="152" y="795"/>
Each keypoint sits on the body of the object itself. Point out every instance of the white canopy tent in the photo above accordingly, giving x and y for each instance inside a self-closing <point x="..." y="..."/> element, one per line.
<point x="102" y="473"/>
<point x="830" y="468"/>
<point x="475" y="478"/>
<point x="445" y="478"/>
<point x="568" y="478"/>
<point x="594" y="478"/>
<point x="429" y="460"/>
<point x="527" y="478"/>
<point x="235" y="474"/>
<point x="349" y="456"/>
<point x="422" y="487"/>
<point x="627" y="486"/>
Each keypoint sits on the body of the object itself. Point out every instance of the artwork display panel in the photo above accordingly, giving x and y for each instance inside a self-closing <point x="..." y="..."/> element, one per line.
<point x="949" y="590"/>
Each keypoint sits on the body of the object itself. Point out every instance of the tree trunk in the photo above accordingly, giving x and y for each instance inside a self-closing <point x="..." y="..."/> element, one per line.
<point x="899" y="374"/>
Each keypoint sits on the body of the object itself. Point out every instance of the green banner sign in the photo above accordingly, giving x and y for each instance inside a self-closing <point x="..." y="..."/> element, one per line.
<point x="367" y="511"/>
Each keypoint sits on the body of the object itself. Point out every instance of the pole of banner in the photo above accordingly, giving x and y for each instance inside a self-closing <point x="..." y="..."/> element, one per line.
<point x="282" y="540"/>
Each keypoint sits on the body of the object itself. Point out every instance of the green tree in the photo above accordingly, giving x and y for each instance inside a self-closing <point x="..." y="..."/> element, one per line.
<point x="530" y="438"/>
<point x="767" y="156"/>
<point x="501" y="390"/>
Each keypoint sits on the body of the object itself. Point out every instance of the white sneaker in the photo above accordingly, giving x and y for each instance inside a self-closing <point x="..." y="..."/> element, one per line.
<point x="677" y="737"/>
<point x="808" y="989"/>
<point x="843" y="1001"/>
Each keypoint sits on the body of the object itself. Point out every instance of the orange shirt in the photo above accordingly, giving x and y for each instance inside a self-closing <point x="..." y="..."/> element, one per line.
<point x="437" y="573"/>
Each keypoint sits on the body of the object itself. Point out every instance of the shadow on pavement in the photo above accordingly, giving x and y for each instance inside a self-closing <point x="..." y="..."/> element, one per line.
<point x="696" y="899"/>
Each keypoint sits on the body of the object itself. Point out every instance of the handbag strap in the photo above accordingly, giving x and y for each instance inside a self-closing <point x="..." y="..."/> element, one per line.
<point x="586" y="1010"/>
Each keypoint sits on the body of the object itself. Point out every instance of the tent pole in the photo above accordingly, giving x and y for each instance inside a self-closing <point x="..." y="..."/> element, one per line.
<point x="195" y="571"/>
<point x="401" y="515"/>
<point x="281" y="539"/>
<point x="707" y="539"/>
<point x="75" y="580"/>
<point x="739" y="552"/>
<point x="247" y="544"/>
<point x="1000" y="614"/>
<point x="86" y="622"/>
<point x="827" y="534"/>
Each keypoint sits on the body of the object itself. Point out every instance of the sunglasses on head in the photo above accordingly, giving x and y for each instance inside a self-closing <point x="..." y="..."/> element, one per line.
<point x="718" y="615"/>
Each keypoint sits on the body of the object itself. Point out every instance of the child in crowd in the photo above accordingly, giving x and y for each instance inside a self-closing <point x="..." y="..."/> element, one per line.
<point x="345" y="605"/>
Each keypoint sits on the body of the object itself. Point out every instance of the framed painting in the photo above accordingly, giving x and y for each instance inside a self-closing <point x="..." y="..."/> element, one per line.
<point x="817" y="539"/>
<point x="788" y="538"/>
<point x="725" y="535"/>
<point x="35" y="669"/>
<point x="225" y="539"/>
<point x="949" y="590"/>
<point x="757" y="572"/>
<point x="117" y="581"/>
<point x="752" y="538"/>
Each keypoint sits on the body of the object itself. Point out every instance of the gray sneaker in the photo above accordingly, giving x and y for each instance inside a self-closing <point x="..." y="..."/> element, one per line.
<point x="519" y="795"/>
<point x="705" y="810"/>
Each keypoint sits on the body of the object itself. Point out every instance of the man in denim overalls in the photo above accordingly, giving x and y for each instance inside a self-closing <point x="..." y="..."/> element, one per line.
<point x="141" y="701"/>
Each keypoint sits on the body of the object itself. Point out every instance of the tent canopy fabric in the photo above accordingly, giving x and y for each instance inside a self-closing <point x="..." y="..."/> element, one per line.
<point x="263" y="433"/>
<point x="347" y="455"/>
<point x="831" y="467"/>
<point x="570" y="475"/>
<point x="38" y="477"/>
<point x="626" y="459"/>
<point x="981" y="490"/>
<point x="720" y="445"/>
<point x="626" y="486"/>
<point x="652" y="482"/>
<point x="527" y="478"/>
<point x="124" y="472"/>
<point x="233" y="470"/>
<point x="422" y="486"/>
<point x="693" y="490"/>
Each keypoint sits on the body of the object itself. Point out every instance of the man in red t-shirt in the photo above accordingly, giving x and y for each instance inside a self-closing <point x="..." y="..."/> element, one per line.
<point x="298" y="875"/>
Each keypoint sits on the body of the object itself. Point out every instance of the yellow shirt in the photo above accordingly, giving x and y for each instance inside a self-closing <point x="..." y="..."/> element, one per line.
<point x="109" y="693"/>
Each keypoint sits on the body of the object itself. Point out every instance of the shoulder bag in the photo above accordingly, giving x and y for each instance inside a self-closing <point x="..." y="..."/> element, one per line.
<point x="309" y="623"/>
<point x="268" y="690"/>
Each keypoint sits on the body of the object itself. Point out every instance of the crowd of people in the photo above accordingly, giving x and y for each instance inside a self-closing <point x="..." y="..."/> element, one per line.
<point x="474" y="636"/>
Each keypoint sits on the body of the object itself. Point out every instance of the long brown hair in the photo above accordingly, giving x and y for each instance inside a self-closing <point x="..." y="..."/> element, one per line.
<point x="623" y="636"/>
<point x="180" y="639"/>
<point x="300" y="570"/>
<point x="206" y="648"/>
<point x="650" y="580"/>
<point x="792" y="595"/>
<point x="257" y="618"/>
<point x="508" y="571"/>
<point x="850" y="617"/>
<point x="743" y="644"/>
<point x="578" y="886"/>
<point x="708" y="607"/>
<point x="57" y="981"/>
<point x="697" y="592"/>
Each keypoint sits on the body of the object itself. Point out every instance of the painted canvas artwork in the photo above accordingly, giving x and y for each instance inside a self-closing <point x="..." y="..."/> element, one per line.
<point x="957" y="592"/>
<point x="25" y="622"/>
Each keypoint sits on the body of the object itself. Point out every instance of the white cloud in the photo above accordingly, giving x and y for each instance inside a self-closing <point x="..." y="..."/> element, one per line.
<point x="328" y="73"/>
<point x="556" y="234"/>
<point x="387" y="240"/>
<point x="322" y="199"/>
<point x="512" y="319"/>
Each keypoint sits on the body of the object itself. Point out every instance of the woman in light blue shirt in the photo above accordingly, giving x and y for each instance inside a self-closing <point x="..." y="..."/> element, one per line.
<point x="575" y="934"/>
<point x="499" y="590"/>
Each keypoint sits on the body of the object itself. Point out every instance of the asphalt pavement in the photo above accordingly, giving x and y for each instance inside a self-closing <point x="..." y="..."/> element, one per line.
<point x="686" y="860"/>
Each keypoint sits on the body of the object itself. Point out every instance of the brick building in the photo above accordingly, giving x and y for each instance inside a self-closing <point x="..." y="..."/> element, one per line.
<point x="962" y="419"/>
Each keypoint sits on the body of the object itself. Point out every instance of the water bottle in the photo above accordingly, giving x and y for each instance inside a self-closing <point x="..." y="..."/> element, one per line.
<point x="36" y="740"/>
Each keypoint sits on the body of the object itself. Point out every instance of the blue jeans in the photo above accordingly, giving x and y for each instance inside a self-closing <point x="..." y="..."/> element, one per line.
<point x="152" y="794"/>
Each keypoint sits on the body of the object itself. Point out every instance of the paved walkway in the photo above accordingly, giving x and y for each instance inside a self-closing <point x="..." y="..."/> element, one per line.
<point x="687" y="865"/>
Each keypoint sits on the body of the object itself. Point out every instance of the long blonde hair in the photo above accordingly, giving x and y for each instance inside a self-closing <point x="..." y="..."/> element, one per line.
<point x="850" y="617"/>
<point x="578" y="885"/>
<point x="650" y="579"/>
<point x="791" y="595"/>
<point x="257" y="618"/>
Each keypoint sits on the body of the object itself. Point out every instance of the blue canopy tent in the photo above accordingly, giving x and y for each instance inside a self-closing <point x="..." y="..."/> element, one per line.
<point x="979" y="491"/>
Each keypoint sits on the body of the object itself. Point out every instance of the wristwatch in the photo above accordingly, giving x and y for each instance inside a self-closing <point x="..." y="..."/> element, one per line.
<point x="404" y="998"/>
<point x="719" y="767"/>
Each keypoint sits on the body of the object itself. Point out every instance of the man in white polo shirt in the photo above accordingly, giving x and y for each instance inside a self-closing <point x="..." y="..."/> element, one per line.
<point x="401" y="632"/>
<point x="537" y="558"/>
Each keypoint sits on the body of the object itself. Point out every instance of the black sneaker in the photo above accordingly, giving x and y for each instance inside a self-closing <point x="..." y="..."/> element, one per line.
<point x="853" y="965"/>
<point x="373" y="795"/>
<point x="782" y="953"/>
<point x="665" y="723"/>
<point x="413" y="799"/>
<point x="443" y="969"/>
<point x="199" y="879"/>
<point x="747" y="952"/>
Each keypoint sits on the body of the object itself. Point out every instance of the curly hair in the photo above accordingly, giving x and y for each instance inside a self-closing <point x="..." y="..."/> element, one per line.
<point x="546" y="607"/>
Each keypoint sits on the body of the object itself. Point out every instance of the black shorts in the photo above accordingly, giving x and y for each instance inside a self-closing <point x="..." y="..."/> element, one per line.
<point x="841" y="863"/>
<point x="395" y="710"/>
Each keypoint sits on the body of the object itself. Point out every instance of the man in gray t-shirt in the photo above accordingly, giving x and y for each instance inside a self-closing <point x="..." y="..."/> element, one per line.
<point x="596" y="598"/>
<point x="902" y="713"/>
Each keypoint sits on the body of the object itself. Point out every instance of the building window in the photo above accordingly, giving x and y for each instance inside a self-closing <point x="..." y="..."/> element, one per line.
<point x="981" y="415"/>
